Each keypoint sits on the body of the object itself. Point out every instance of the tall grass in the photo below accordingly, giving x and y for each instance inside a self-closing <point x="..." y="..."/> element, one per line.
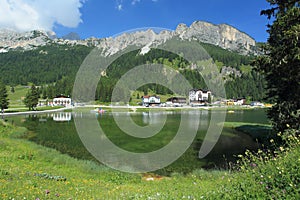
<point x="31" y="171"/>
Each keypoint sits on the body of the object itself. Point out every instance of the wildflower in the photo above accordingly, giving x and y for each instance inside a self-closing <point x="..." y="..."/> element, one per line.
<point x="279" y="134"/>
<point x="253" y="165"/>
<point x="57" y="195"/>
<point x="272" y="141"/>
<point x="281" y="148"/>
<point x="47" y="192"/>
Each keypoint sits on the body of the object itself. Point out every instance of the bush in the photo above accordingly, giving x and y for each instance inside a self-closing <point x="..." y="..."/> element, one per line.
<point x="270" y="174"/>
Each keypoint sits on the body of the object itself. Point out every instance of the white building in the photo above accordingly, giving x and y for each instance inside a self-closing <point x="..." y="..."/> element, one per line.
<point x="239" y="102"/>
<point x="151" y="100"/>
<point x="62" y="101"/>
<point x="200" y="96"/>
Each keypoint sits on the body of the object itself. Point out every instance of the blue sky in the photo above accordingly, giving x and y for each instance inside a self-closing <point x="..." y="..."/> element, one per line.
<point x="104" y="18"/>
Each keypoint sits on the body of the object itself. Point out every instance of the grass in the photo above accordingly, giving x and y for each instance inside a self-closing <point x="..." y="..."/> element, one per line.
<point x="44" y="108"/>
<point x="27" y="168"/>
<point x="259" y="132"/>
<point x="270" y="174"/>
<point x="25" y="109"/>
<point x="246" y="69"/>
<point x="16" y="98"/>
<point x="30" y="171"/>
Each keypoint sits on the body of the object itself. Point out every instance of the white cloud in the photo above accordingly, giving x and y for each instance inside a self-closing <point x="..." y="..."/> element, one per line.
<point x="25" y="15"/>
<point x="119" y="7"/>
<point x="135" y="1"/>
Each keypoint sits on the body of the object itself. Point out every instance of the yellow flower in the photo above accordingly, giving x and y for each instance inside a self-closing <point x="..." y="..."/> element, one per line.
<point x="279" y="134"/>
<point x="281" y="148"/>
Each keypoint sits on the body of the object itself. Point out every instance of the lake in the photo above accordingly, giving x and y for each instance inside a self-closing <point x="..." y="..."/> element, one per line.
<point x="58" y="131"/>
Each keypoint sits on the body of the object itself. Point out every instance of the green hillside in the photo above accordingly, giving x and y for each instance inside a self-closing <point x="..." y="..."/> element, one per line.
<point x="54" y="67"/>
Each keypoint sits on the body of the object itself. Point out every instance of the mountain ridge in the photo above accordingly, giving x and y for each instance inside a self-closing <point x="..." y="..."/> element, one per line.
<point x="222" y="35"/>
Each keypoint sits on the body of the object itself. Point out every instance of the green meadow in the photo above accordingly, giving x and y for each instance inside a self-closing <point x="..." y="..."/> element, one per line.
<point x="31" y="171"/>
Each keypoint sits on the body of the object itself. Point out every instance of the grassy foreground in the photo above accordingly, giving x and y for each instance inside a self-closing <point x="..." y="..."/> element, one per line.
<point x="30" y="171"/>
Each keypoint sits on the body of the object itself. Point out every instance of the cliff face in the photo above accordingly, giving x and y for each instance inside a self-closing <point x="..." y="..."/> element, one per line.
<point x="222" y="35"/>
<point x="10" y="40"/>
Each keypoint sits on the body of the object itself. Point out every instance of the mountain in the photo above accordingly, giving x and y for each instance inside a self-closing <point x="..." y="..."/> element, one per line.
<point x="12" y="40"/>
<point x="41" y="58"/>
<point x="71" y="36"/>
<point x="224" y="36"/>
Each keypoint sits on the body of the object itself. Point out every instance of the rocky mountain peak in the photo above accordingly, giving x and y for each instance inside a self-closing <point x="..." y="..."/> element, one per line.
<point x="71" y="36"/>
<point x="222" y="35"/>
<point x="181" y="28"/>
<point x="10" y="39"/>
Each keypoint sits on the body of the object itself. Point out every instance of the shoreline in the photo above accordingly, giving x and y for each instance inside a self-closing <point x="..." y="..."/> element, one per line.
<point x="33" y="112"/>
<point x="138" y="109"/>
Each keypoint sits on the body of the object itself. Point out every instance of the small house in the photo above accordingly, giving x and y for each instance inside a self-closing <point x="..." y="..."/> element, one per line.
<point x="256" y="103"/>
<point x="176" y="101"/>
<point x="239" y="101"/>
<point x="151" y="100"/>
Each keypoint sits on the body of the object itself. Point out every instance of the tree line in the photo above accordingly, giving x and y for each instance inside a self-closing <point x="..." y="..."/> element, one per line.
<point x="54" y="68"/>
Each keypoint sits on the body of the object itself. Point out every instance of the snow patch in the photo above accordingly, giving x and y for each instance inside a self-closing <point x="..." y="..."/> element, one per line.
<point x="145" y="49"/>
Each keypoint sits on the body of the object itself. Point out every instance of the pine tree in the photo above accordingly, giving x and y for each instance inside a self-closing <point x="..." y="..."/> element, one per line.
<point x="12" y="89"/>
<point x="281" y="63"/>
<point x="3" y="97"/>
<point x="32" y="98"/>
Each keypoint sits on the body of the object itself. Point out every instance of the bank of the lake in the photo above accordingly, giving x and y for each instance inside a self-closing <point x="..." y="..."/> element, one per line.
<point x="39" y="110"/>
<point x="31" y="171"/>
<point x="58" y="131"/>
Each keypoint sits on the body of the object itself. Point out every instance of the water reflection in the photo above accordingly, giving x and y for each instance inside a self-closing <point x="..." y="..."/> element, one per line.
<point x="153" y="117"/>
<point x="50" y="131"/>
<point x="62" y="116"/>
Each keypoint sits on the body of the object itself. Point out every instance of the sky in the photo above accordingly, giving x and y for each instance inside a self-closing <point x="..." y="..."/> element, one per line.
<point x="105" y="18"/>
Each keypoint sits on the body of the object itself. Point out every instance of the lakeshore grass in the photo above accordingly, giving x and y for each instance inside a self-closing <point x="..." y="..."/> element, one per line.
<point x="31" y="171"/>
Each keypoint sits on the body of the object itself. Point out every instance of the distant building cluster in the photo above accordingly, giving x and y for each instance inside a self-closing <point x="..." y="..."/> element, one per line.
<point x="196" y="97"/>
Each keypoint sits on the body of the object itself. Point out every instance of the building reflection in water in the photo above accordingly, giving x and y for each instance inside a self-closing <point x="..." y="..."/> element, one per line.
<point x="62" y="116"/>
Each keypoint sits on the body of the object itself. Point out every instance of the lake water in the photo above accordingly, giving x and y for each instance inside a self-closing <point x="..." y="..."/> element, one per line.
<point x="57" y="130"/>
